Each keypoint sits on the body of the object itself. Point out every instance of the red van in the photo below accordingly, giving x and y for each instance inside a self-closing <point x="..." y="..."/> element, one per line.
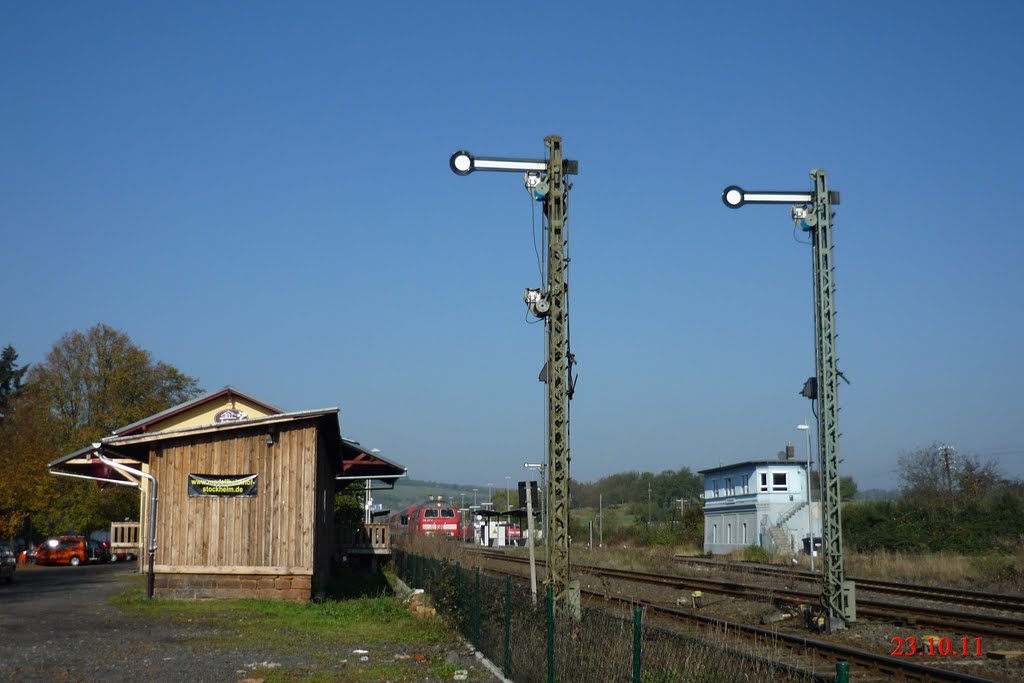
<point x="71" y="550"/>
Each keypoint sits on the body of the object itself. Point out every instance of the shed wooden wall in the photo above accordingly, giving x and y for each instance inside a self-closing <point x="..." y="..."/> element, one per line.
<point x="272" y="533"/>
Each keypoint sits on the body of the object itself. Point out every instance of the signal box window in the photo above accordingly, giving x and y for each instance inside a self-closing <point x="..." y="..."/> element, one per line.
<point x="779" y="481"/>
<point x="764" y="481"/>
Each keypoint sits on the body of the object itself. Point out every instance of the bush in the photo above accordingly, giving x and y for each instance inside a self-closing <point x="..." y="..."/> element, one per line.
<point x="755" y="553"/>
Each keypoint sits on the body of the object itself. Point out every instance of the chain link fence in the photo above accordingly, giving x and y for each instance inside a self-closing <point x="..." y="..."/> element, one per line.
<point x="531" y="642"/>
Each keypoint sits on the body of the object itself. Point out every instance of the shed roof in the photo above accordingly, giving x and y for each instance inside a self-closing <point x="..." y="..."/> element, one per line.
<point x="350" y="460"/>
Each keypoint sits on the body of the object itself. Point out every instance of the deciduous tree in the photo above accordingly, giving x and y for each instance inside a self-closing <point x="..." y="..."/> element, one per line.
<point x="89" y="384"/>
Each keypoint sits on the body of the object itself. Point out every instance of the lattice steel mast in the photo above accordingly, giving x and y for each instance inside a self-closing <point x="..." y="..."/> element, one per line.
<point x="838" y="595"/>
<point x="553" y="304"/>
<point x="559" y="374"/>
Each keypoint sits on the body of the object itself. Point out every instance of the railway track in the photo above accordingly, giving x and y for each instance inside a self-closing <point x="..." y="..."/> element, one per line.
<point x="968" y="598"/>
<point x="886" y="667"/>
<point x="1008" y="627"/>
<point x="956" y="620"/>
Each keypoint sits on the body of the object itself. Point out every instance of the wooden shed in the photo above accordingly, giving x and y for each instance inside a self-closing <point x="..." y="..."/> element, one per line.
<point x="245" y="508"/>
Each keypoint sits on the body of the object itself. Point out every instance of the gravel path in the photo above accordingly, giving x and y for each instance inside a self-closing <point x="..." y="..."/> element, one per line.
<point x="56" y="625"/>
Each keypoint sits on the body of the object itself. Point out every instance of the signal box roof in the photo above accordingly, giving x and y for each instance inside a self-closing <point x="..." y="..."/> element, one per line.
<point x="752" y="463"/>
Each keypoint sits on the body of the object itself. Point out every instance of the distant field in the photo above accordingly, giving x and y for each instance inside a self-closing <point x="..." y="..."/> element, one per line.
<point x="409" y="491"/>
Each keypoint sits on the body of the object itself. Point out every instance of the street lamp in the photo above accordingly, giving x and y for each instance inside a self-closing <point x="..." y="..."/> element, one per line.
<point x="474" y="497"/>
<point x="810" y="516"/>
<point x="508" y="498"/>
<point x="489" y="496"/>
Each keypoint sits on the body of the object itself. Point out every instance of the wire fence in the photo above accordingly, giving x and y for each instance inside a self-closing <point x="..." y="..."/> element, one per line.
<point x="530" y="641"/>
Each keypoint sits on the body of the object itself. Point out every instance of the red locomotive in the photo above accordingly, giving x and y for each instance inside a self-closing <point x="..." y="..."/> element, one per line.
<point x="432" y="518"/>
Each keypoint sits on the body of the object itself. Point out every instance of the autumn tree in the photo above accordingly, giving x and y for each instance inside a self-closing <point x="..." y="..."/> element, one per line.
<point x="937" y="475"/>
<point x="949" y="501"/>
<point x="89" y="384"/>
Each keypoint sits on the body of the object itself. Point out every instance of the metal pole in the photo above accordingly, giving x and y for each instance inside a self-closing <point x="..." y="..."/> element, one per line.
<point x="648" y="503"/>
<point x="558" y="380"/>
<point x="544" y="508"/>
<point x="507" y="669"/>
<point x="529" y="542"/>
<point x="838" y="596"/>
<point x="637" y="642"/>
<point x="806" y="426"/>
<point x="833" y="574"/>
<point x="550" y="608"/>
<point x="151" y="532"/>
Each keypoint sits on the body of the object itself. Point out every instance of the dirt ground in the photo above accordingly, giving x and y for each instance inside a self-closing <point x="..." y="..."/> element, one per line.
<point x="56" y="625"/>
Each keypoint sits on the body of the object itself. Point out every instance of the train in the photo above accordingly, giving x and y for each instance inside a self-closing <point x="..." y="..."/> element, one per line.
<point x="431" y="518"/>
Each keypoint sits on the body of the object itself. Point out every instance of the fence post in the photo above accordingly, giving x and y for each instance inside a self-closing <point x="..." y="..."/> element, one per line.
<point x="476" y="612"/>
<point x="508" y="626"/>
<point x="458" y="591"/>
<point x="550" y="604"/>
<point x="637" y="632"/>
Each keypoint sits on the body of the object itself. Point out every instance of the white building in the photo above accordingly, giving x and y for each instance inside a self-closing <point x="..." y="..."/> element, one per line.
<point x="758" y="502"/>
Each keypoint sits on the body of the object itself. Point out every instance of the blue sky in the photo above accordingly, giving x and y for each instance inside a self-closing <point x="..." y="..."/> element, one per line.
<point x="259" y="194"/>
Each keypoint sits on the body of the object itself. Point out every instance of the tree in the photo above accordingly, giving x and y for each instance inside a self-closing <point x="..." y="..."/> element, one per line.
<point x="93" y="382"/>
<point x="89" y="384"/>
<point x="10" y="377"/>
<point x="847" y="488"/>
<point x="938" y="475"/>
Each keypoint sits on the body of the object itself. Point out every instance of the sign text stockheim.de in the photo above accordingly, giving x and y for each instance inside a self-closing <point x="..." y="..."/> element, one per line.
<point x="222" y="485"/>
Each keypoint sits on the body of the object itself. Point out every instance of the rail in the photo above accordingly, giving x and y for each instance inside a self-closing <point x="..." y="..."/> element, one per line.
<point x="867" y="662"/>
<point x="365" y="539"/>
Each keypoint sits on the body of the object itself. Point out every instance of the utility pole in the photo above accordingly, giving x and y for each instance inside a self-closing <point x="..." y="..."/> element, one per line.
<point x="547" y="181"/>
<point x="648" y="502"/>
<point x="812" y="213"/>
<point x="810" y="513"/>
<point x="947" y="455"/>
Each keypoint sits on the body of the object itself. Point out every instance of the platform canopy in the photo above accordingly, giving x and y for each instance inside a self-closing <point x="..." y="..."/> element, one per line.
<point x="360" y="464"/>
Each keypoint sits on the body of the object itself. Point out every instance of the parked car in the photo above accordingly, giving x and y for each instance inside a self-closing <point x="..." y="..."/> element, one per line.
<point x="27" y="556"/>
<point x="72" y="550"/>
<point x="8" y="563"/>
<point x="98" y="551"/>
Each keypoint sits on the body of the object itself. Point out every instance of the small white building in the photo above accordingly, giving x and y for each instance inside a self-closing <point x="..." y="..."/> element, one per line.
<point x="758" y="502"/>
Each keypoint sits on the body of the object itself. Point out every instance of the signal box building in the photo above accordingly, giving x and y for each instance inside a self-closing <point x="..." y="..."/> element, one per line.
<point x="758" y="502"/>
<point x="245" y="504"/>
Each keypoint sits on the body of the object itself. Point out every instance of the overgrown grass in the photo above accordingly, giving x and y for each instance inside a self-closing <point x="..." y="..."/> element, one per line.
<point x="321" y="633"/>
<point x="288" y="627"/>
<point x="996" y="572"/>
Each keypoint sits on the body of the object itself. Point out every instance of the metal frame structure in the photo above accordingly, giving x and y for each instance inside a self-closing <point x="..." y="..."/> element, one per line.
<point x="552" y="190"/>
<point x="838" y="595"/>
